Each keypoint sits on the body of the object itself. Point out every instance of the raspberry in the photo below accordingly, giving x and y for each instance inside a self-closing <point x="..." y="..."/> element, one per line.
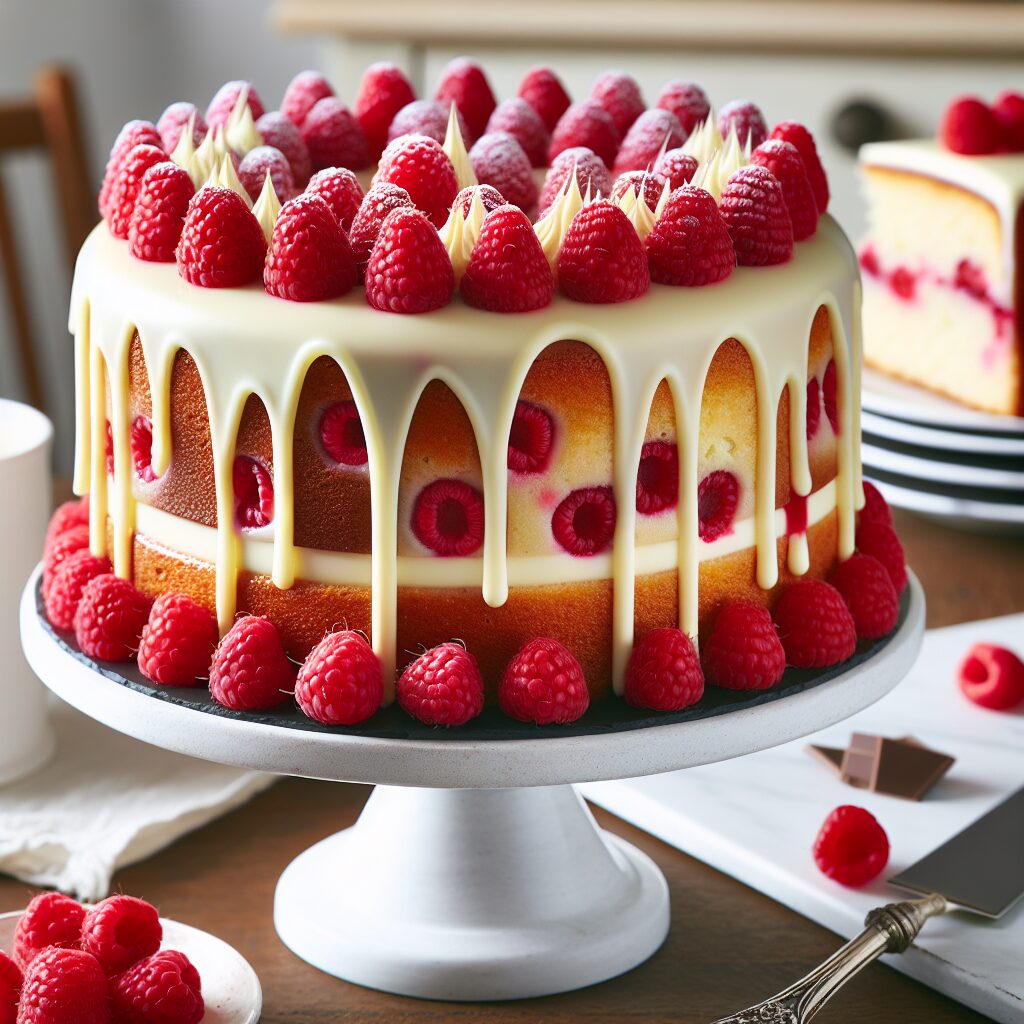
<point x="50" y="919"/>
<point x="508" y="271"/>
<point x="588" y="125"/>
<point x="748" y="121"/>
<point x="279" y="133"/>
<point x="383" y="91"/>
<point x="1009" y="113"/>
<point x="448" y="518"/>
<point x="992" y="677"/>
<point x="10" y="988"/>
<point x="141" y="443"/>
<point x="876" y="508"/>
<point x="250" y="670"/>
<point x="531" y="438"/>
<point x="425" y="117"/>
<point x="690" y="244"/>
<point x="969" y="126"/>
<point x="127" y="184"/>
<point x="813" y="416"/>
<point x="814" y="624"/>
<point x="754" y="209"/>
<point x="366" y="224"/>
<point x="340" y="682"/>
<point x="851" y="848"/>
<point x="543" y="90"/>
<point x="340" y="188"/>
<point x="619" y="94"/>
<point x="970" y="278"/>
<point x="490" y="199"/>
<point x="640" y="183"/>
<point x="687" y="101"/>
<point x="880" y="541"/>
<point x="420" y="165"/>
<point x="869" y="594"/>
<point x="159" y="213"/>
<point x="903" y="283"/>
<point x="602" y="259"/>
<point x="134" y="133"/>
<point x="785" y="162"/>
<point x="254" y="493"/>
<point x="304" y="91"/>
<point x="108" y="449"/>
<point x="543" y="683"/>
<point x="664" y="672"/>
<point x="829" y="391"/>
<point x="409" y="270"/>
<point x="718" y="495"/>
<point x="72" y="540"/>
<point x="120" y="930"/>
<point x="174" y="119"/>
<point x="222" y="243"/>
<point x="341" y="434"/>
<point x="464" y="83"/>
<point x="110" y="617"/>
<point x="653" y="131"/>
<point x="657" y="482"/>
<point x="68" y="582"/>
<point x="524" y="124"/>
<point x="161" y="989"/>
<point x="442" y="686"/>
<point x="67" y="515"/>
<point x="64" y="985"/>
<point x="333" y="136"/>
<point x="177" y="642"/>
<point x="676" y="167"/>
<point x="257" y="164"/>
<point x="225" y="98"/>
<point x="590" y="170"/>
<point x="498" y="160"/>
<point x="584" y="521"/>
<point x="743" y="651"/>
<point x="799" y="136"/>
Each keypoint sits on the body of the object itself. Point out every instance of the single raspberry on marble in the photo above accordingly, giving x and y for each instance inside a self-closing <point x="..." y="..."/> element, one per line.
<point x="158" y="216"/>
<point x="127" y="184"/>
<point x="590" y="170"/>
<point x="876" y="508"/>
<point x="544" y="684"/>
<point x="50" y="919"/>
<point x="851" y="848"/>
<point x="543" y="90"/>
<point x="340" y="682"/>
<point x="743" y="651"/>
<point x="523" y="123"/>
<point x="426" y="117"/>
<point x="63" y="986"/>
<point x="448" y="517"/>
<point x="796" y="134"/>
<point x="970" y="126"/>
<point x="641" y="183"/>
<point x="11" y="981"/>
<point x="304" y="91"/>
<point x="583" y="523"/>
<point x="177" y="642"/>
<point x="333" y="136"/>
<point x="464" y="83"/>
<point x="257" y="164"/>
<point x="653" y="132"/>
<point x="869" y="594"/>
<point x="383" y="91"/>
<point x="754" y="210"/>
<point x="121" y="930"/>
<point x="687" y="101"/>
<point x="134" y="133"/>
<point x="663" y="672"/>
<point x="110" y="618"/>
<point x="66" y="515"/>
<point x="381" y="200"/>
<point x="785" y="162"/>
<point x="814" y="624"/>
<point x="747" y="120"/>
<point x="443" y="686"/>
<point x="250" y="669"/>
<point x="409" y="270"/>
<point x="225" y="98"/>
<point x="689" y="245"/>
<point x="173" y="120"/>
<point x="420" y="165"/>
<point x="164" y="988"/>
<point x="67" y="583"/>
<point x="992" y="677"/>
<point x="531" y="438"/>
<point x="61" y="547"/>
<point x="498" y="160"/>
<point x="718" y="496"/>
<point x="1009" y="113"/>
<point x="657" y="480"/>
<point x="490" y="198"/>
<point x="602" y="259"/>
<point x="280" y="133"/>
<point x="879" y="540"/>
<point x="620" y="95"/>
<point x="341" y="190"/>
<point x="676" y="167"/>
<point x="588" y="125"/>
<point x="222" y="244"/>
<point x="830" y="395"/>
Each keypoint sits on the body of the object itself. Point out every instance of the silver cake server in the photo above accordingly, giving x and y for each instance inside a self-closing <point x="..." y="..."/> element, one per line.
<point x="980" y="871"/>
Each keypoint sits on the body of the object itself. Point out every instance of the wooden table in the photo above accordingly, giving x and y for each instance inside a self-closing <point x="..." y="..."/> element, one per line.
<point x="729" y="946"/>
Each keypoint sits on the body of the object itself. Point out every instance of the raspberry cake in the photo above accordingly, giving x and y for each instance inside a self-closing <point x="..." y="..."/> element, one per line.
<point x="568" y="433"/>
<point x="942" y="257"/>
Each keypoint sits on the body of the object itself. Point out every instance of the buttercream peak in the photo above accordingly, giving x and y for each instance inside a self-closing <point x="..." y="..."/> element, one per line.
<point x="461" y="231"/>
<point x="267" y="208"/>
<point x="455" y="148"/>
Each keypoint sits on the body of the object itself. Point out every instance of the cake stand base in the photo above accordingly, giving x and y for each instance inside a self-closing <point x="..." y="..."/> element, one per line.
<point x="475" y="895"/>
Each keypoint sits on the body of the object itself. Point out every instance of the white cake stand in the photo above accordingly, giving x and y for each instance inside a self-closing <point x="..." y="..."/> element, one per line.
<point x="489" y="879"/>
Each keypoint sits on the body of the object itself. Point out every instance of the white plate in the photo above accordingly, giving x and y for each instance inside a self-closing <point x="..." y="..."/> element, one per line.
<point x="231" y="990"/>
<point x="941" y="472"/>
<point x="944" y="440"/>
<point x="970" y="514"/>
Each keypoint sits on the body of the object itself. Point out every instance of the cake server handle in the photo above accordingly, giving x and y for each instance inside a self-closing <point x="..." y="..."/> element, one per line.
<point x="889" y="929"/>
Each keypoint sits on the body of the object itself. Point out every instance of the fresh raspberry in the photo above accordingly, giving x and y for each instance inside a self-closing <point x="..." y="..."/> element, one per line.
<point x="796" y="134"/>
<point x="442" y="686"/>
<point x="342" y="191"/>
<point x="687" y="101"/>
<point x="641" y="183"/>
<point x="814" y="624"/>
<point x="743" y="651"/>
<point x="524" y="124"/>
<point x="67" y="515"/>
<point x="992" y="677"/>
<point x="164" y="988"/>
<point x="664" y="672"/>
<point x="904" y="283"/>
<point x="10" y="989"/>
<point x="851" y="848"/>
<point x="68" y="582"/>
<point x="50" y="919"/>
<point x="141" y="443"/>
<point x="498" y="160"/>
<point x="619" y="94"/>
<point x="543" y="90"/>
<point x="584" y="521"/>
<point x="1009" y="113"/>
<point x="159" y="213"/>
<point x="173" y="120"/>
<point x="748" y="121"/>
<point x="224" y="100"/>
<point x="657" y="481"/>
<point x="786" y="163"/>
<point x="880" y="541"/>
<point x="490" y="199"/>
<point x="531" y="439"/>
<point x="653" y="131"/>
<point x="602" y="259"/>
<point x="127" y="184"/>
<point x="868" y="260"/>
<point x="508" y="271"/>
<point x="969" y="126"/>
<point x="420" y="165"/>
<point x="869" y="594"/>
<point x="64" y="985"/>
<point x="464" y="83"/>
<point x="257" y="164"/>
<point x="120" y="930"/>
<point x="108" y="449"/>
<point x="250" y="669"/>
<point x="690" y="245"/>
<point x="718" y="495"/>
<point x="341" y="434"/>
<point x="543" y="683"/>
<point x="277" y="131"/>
<point x="676" y="167"/>
<point x="813" y="417"/>
<point x="134" y="133"/>
<point x="588" y="125"/>
<point x="373" y="211"/>
<point x="383" y="91"/>
<point x="177" y="643"/>
<point x="409" y="270"/>
<point x="222" y="243"/>
<point x="425" y="117"/>
<point x="830" y="395"/>
<point x="754" y="209"/>
<point x="110" y="617"/>
<point x="590" y="170"/>
<point x="61" y="547"/>
<point x="876" y="508"/>
<point x="448" y="518"/>
<point x="254" y="493"/>
<point x="340" y="682"/>
<point x="969" y="277"/>
<point x="304" y="91"/>
<point x="333" y="136"/>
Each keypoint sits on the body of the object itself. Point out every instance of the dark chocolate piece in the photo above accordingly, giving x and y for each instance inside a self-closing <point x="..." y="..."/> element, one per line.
<point x="907" y="770"/>
<point x="860" y="760"/>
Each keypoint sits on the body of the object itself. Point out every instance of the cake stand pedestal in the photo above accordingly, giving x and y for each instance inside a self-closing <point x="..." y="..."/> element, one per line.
<point x="490" y="879"/>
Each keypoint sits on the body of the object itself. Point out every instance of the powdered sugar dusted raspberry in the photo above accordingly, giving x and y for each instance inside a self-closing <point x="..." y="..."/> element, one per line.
<point x="602" y="258"/>
<point x="590" y="170"/>
<point x="664" y="672"/>
<point x="420" y="165"/>
<point x="304" y="91"/>
<point x="383" y="92"/>
<point x="224" y="100"/>
<point x="448" y="518"/>
<point x="500" y="161"/>
<point x="687" y="101"/>
<point x="443" y="686"/>
<point x="657" y="481"/>
<point x="754" y="210"/>
<point x="743" y="651"/>
<point x="531" y="438"/>
<point x="278" y="131"/>
<point x="257" y="164"/>
<point x="543" y="90"/>
<point x="374" y="209"/>
<point x="424" y="117"/>
<point x="620" y="95"/>
<point x="675" y="167"/>
<point x="490" y="199"/>
<point x="340" y="682"/>
<point x="690" y="244"/>
<point x="173" y="120"/>
<point x="520" y="120"/>
<point x="134" y="133"/>
<point x="747" y="120"/>
<point x="652" y="131"/>
<point x="409" y="270"/>
<point x="584" y="521"/>
<point x="589" y="125"/>
<point x="544" y="684"/>
<point x="785" y="162"/>
<point x="641" y="183"/>
<point x="127" y="185"/>
<point x="333" y="136"/>
<point x="464" y="83"/>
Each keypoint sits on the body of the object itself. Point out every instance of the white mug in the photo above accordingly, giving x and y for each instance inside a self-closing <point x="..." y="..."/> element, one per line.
<point x="26" y="489"/>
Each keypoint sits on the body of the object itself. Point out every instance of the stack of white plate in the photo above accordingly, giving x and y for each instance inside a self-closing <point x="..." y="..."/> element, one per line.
<point x="933" y="456"/>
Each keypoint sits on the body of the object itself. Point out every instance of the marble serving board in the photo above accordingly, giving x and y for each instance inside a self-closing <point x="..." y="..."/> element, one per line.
<point x="755" y="818"/>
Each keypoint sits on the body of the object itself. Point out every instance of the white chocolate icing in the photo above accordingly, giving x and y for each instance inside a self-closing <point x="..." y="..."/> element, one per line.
<point x="206" y="159"/>
<point x="641" y="216"/>
<point x="227" y="177"/>
<point x="552" y="227"/>
<point x="705" y="140"/>
<point x="185" y="149"/>
<point x="240" y="132"/>
<point x="460" y="233"/>
<point x="723" y="164"/>
<point x="455" y="147"/>
<point x="267" y="208"/>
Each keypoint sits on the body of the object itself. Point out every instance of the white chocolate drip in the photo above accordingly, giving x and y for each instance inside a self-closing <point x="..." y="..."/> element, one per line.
<point x="267" y="208"/>
<point x="460" y="233"/>
<point x="455" y="147"/>
<point x="634" y="205"/>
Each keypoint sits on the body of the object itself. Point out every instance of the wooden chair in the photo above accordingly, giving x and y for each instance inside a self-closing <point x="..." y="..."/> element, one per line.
<point x="47" y="120"/>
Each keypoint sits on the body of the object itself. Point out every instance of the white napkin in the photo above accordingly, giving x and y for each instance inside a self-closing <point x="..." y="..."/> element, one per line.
<point x="105" y="801"/>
